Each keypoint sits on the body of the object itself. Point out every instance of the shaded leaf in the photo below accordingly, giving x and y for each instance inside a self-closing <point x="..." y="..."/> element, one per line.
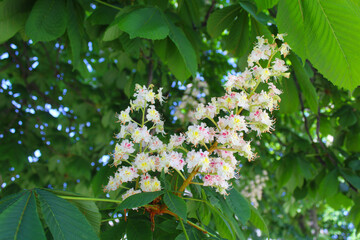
<point x="221" y="19"/>
<point x="307" y="88"/>
<point x="47" y="20"/>
<point x="136" y="230"/>
<point x="13" y="15"/>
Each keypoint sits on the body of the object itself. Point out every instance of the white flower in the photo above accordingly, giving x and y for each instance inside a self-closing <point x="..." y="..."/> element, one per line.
<point x="124" y="116"/>
<point x="148" y="184"/>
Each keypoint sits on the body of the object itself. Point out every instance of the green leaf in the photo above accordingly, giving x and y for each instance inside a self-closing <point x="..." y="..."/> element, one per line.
<point x="65" y="221"/>
<point x="322" y="28"/>
<point x="112" y="33"/>
<point x="332" y="28"/>
<point x="13" y="15"/>
<point x="252" y="10"/>
<point x="184" y="46"/>
<point x="351" y="177"/>
<point x="258" y="29"/>
<point x="21" y="220"/>
<point x="239" y="205"/>
<point x="221" y="223"/>
<point x="238" y="39"/>
<point x="329" y="186"/>
<point x="147" y="23"/>
<point x="347" y="117"/>
<point x="307" y="88"/>
<point x="138" y="200"/>
<point x="47" y="20"/>
<point x="265" y="4"/>
<point x="352" y="141"/>
<point x="221" y="19"/>
<point x="87" y="208"/>
<point x="290" y="20"/>
<point x="9" y="200"/>
<point x="74" y="32"/>
<point x="175" y="204"/>
<point x="103" y="15"/>
<point x="339" y="201"/>
<point x="258" y="221"/>
<point x="289" y="98"/>
<point x="136" y="230"/>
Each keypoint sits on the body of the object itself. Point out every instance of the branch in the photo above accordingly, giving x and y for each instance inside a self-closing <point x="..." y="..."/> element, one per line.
<point x="151" y="69"/>
<point x="306" y="124"/>
<point x="204" y="23"/>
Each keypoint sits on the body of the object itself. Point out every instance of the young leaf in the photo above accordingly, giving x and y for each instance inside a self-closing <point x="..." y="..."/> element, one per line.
<point x="47" y="20"/>
<point x="20" y="220"/>
<point x="239" y="205"/>
<point x="175" y="204"/>
<point x="64" y="219"/>
<point x="138" y="200"/>
<point x="147" y="23"/>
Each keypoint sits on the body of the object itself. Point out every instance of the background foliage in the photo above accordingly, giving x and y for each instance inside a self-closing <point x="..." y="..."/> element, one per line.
<point x="67" y="66"/>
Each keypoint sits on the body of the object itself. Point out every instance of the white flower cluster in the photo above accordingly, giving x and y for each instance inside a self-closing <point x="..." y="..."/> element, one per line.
<point x="194" y="94"/>
<point x="141" y="154"/>
<point x="254" y="188"/>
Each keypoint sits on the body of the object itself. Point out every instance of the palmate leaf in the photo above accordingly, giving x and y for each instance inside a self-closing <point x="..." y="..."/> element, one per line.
<point x="290" y="20"/>
<point x="330" y="33"/>
<point x="64" y="220"/>
<point x="138" y="200"/>
<point x="333" y="31"/>
<point x="87" y="208"/>
<point x="239" y="205"/>
<point x="20" y="220"/>
<point x="47" y="20"/>
<point x="258" y="221"/>
<point x="175" y="204"/>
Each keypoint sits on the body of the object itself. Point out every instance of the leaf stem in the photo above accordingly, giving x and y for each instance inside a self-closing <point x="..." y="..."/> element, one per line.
<point x="89" y="199"/>
<point x="107" y="4"/>
<point x="184" y="230"/>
